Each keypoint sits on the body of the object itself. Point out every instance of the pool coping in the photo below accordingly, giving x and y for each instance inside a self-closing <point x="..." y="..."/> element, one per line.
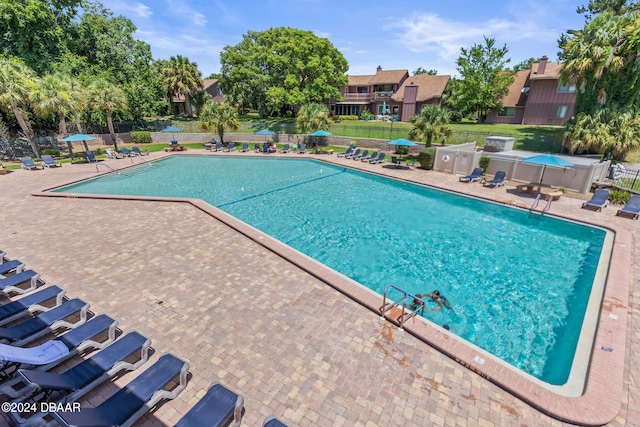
<point x="601" y="400"/>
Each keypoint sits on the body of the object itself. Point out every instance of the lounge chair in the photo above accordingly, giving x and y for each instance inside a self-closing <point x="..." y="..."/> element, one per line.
<point x="378" y="159"/>
<point x="14" y="283"/>
<point x="302" y="149"/>
<point x="209" y="145"/>
<point x="632" y="208"/>
<point x="245" y="147"/>
<point x="112" y="154"/>
<point x="134" y="399"/>
<point x="46" y="322"/>
<point x="217" y="147"/>
<point x="14" y="266"/>
<point x="256" y="148"/>
<point x="599" y="200"/>
<point x="127" y="353"/>
<point x="353" y="153"/>
<point x="125" y="152"/>
<point x="476" y="174"/>
<point x="27" y="163"/>
<point x="91" y="157"/>
<point x="219" y="407"/>
<point x="497" y="180"/>
<point x="30" y="304"/>
<point x="395" y="161"/>
<point x="285" y="148"/>
<point x="272" y="421"/>
<point x="138" y="151"/>
<point x="346" y="153"/>
<point x="373" y="156"/>
<point x="48" y="162"/>
<point x="230" y="147"/>
<point x="411" y="163"/>
<point x="364" y="154"/>
<point x="97" y="333"/>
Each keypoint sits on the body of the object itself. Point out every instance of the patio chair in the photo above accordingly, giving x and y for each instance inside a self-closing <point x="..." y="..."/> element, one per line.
<point x="138" y="151"/>
<point x="14" y="266"/>
<point x="134" y="399"/>
<point x="46" y="322"/>
<point x="476" y="174"/>
<point x="632" y="208"/>
<point x="27" y="163"/>
<point x="91" y="157"/>
<point x="14" y="283"/>
<point x="230" y="147"/>
<point x="497" y="180"/>
<point x="272" y="421"/>
<point x="256" y="148"/>
<point x="302" y="149"/>
<point x="411" y="164"/>
<point x="364" y="154"/>
<point x="373" y="156"/>
<point x="218" y="407"/>
<point x="395" y="161"/>
<point x="112" y="154"/>
<point x="353" y="153"/>
<point x="125" y="152"/>
<point x="245" y="147"/>
<point x="218" y="146"/>
<point x="127" y="353"/>
<point x="30" y="304"/>
<point x="599" y="200"/>
<point x="378" y="159"/>
<point x="48" y="162"/>
<point x="285" y="148"/>
<point x="346" y="153"/>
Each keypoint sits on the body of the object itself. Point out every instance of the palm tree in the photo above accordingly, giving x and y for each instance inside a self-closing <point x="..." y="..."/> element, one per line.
<point x="79" y="100"/>
<point x="108" y="97"/>
<point x="219" y="116"/>
<point x="430" y="123"/>
<point x="182" y="78"/>
<point x="51" y="95"/>
<point x="16" y="81"/>
<point x="200" y="99"/>
<point x="312" y="117"/>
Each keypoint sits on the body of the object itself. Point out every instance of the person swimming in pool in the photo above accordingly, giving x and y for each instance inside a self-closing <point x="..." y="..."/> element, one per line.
<point x="435" y="296"/>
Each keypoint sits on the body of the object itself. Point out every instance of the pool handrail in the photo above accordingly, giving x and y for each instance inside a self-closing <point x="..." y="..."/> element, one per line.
<point x="406" y="315"/>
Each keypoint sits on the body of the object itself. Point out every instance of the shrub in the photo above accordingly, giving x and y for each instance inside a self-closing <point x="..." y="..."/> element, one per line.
<point x="366" y="114"/>
<point x="347" y="117"/>
<point x="51" y="152"/>
<point x="402" y="149"/>
<point x="484" y="163"/>
<point x="619" y="197"/>
<point x="426" y="156"/>
<point x="141" y="137"/>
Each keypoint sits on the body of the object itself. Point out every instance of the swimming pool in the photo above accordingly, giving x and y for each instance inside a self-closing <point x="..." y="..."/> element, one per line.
<point x="500" y="268"/>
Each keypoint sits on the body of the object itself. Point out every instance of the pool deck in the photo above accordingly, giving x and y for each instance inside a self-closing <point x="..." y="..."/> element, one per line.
<point x="269" y="326"/>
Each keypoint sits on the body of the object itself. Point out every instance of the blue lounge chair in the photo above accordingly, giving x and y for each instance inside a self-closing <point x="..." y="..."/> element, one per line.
<point x="217" y="147"/>
<point x="285" y="148"/>
<point x="138" y="151"/>
<point x="91" y="157"/>
<point x="475" y="176"/>
<point x="632" y="208"/>
<point x="125" y="152"/>
<point x="373" y="156"/>
<point x="378" y="159"/>
<point x="497" y="180"/>
<point x="411" y="163"/>
<point x="127" y="353"/>
<point x="46" y="322"/>
<point x="30" y="304"/>
<point x="219" y="407"/>
<point x="14" y="266"/>
<point x="15" y="283"/>
<point x="272" y="421"/>
<point x="112" y="154"/>
<point x="230" y="146"/>
<point x="27" y="163"/>
<point x="364" y="154"/>
<point x="245" y="147"/>
<point x="346" y="153"/>
<point x="302" y="149"/>
<point x="48" y="162"/>
<point x="353" y="153"/>
<point x="134" y="399"/>
<point x="599" y="200"/>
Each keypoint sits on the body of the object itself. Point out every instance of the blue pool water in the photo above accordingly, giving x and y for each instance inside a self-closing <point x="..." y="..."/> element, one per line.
<point x="518" y="284"/>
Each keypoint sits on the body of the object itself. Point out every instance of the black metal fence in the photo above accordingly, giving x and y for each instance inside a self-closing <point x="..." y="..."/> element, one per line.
<point x="622" y="177"/>
<point x="16" y="148"/>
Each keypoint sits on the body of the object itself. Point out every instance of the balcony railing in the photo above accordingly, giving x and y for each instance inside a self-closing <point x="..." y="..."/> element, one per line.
<point x="357" y="97"/>
<point x="383" y="95"/>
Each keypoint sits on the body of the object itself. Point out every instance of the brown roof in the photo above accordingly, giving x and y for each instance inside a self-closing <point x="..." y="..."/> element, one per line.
<point x="389" y="77"/>
<point x="359" y="80"/>
<point x="515" y="97"/>
<point x="551" y="71"/>
<point x="206" y="83"/>
<point x="429" y="87"/>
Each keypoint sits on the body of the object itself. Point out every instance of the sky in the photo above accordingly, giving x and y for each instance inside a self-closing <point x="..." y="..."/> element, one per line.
<point x="396" y="35"/>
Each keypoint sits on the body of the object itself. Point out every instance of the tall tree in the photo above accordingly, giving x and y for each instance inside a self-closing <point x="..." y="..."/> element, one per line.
<point x="284" y="68"/>
<point x="52" y="95"/>
<point x="181" y="77"/>
<point x="430" y="123"/>
<point x="421" y="70"/>
<point x="218" y="117"/>
<point x="312" y="117"/>
<point x="485" y="78"/>
<point x="16" y="81"/>
<point x="107" y="97"/>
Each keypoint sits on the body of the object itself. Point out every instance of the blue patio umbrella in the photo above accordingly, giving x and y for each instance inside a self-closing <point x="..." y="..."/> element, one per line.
<point x="547" y="160"/>
<point x="320" y="133"/>
<point x="172" y="130"/>
<point x="79" y="137"/>
<point x="265" y="132"/>
<point x="402" y="142"/>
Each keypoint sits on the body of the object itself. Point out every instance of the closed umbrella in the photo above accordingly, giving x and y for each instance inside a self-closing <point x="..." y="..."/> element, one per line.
<point x="547" y="160"/>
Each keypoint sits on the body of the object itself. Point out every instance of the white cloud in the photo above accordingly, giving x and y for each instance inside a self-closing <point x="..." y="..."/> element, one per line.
<point x="139" y="10"/>
<point x="181" y="9"/>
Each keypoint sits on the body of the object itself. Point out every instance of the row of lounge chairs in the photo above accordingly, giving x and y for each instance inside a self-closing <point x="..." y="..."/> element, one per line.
<point x="476" y="175"/>
<point x="47" y="162"/>
<point x="258" y="148"/>
<point x="27" y="377"/>
<point x="600" y="200"/>
<point x="125" y="152"/>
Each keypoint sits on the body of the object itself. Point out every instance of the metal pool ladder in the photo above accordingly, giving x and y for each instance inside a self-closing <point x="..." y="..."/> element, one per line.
<point x="405" y="315"/>
<point x="535" y="204"/>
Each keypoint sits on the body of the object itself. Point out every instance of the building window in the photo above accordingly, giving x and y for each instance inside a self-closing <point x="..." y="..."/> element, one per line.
<point x="567" y="87"/>
<point x="383" y="88"/>
<point x="363" y="89"/>
<point x="561" y="112"/>
<point x="507" y="112"/>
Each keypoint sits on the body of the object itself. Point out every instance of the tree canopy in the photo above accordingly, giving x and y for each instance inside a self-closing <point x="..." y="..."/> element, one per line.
<point x="280" y="69"/>
<point x="485" y="79"/>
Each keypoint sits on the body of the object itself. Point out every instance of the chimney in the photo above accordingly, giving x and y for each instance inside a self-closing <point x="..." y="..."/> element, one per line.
<point x="378" y="69"/>
<point x="542" y="65"/>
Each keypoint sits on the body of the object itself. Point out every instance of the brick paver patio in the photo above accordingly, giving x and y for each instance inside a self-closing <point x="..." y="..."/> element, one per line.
<point x="238" y="313"/>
